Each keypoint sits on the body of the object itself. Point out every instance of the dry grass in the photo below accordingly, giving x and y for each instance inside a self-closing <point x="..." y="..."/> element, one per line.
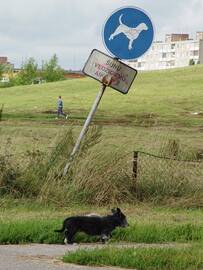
<point x="103" y="176"/>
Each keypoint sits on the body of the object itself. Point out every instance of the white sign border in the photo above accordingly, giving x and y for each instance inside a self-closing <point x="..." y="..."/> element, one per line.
<point x="135" y="7"/>
<point x="115" y="59"/>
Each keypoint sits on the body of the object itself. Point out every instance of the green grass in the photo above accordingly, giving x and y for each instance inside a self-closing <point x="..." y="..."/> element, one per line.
<point x="163" y="97"/>
<point x="158" y="107"/>
<point x="190" y="258"/>
<point x="23" y="222"/>
<point x="42" y="231"/>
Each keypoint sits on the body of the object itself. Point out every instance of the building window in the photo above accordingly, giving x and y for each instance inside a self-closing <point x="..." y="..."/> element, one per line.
<point x="172" y="46"/>
<point x="172" y="63"/>
<point x="194" y="53"/>
<point x="163" y="55"/>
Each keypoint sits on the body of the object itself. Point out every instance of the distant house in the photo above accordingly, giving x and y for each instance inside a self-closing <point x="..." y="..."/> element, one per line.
<point x="4" y="61"/>
<point x="8" y="68"/>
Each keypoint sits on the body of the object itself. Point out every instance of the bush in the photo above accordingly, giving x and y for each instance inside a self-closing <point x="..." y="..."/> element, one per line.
<point x="191" y="62"/>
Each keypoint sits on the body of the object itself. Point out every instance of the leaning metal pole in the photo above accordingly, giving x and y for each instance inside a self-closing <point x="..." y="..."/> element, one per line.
<point x="85" y="127"/>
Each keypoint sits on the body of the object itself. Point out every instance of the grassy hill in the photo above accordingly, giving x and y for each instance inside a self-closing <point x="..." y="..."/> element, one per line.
<point x="156" y="98"/>
<point x="162" y="114"/>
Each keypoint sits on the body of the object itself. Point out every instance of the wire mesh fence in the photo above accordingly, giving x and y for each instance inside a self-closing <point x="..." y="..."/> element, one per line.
<point x="165" y="176"/>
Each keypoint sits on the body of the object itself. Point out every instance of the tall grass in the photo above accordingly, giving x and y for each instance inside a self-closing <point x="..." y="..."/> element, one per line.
<point x="96" y="176"/>
<point x="174" y="173"/>
<point x="45" y="168"/>
<point x="101" y="175"/>
<point x="9" y="171"/>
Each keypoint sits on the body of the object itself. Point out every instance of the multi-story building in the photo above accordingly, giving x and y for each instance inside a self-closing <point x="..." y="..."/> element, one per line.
<point x="177" y="51"/>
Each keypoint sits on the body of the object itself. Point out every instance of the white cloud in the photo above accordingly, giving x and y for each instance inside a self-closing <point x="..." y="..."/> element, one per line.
<point x="71" y="29"/>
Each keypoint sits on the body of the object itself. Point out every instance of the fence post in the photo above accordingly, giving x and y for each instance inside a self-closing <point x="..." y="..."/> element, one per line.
<point x="1" y="111"/>
<point x="135" y="161"/>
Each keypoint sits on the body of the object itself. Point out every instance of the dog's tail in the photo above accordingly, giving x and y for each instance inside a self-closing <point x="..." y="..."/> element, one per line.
<point x="61" y="230"/>
<point x="120" y="19"/>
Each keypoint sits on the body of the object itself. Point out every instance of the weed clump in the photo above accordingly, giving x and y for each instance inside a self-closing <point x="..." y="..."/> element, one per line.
<point x="96" y="175"/>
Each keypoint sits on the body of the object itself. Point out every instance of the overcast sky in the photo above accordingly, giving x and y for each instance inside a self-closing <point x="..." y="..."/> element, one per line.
<point x="72" y="28"/>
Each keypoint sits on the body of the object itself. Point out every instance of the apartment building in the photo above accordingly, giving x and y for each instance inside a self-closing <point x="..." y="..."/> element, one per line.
<point x="178" y="50"/>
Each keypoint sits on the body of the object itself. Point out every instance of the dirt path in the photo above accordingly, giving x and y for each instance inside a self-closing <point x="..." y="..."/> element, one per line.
<point x="47" y="257"/>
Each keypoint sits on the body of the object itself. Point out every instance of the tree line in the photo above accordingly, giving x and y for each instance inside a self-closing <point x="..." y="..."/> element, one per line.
<point x="30" y="72"/>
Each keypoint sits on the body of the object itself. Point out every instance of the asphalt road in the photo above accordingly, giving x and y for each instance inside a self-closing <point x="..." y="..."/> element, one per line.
<point x="39" y="257"/>
<point x="48" y="257"/>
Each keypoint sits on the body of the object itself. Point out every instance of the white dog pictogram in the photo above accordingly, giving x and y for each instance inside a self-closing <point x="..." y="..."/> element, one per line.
<point x="130" y="32"/>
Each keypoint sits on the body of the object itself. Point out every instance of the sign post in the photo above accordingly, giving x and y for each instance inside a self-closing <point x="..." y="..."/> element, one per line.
<point x="110" y="72"/>
<point x="85" y="127"/>
<point x="127" y="34"/>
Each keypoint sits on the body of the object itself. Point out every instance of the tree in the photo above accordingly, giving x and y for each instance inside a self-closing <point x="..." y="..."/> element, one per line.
<point x="28" y="73"/>
<point x="1" y="70"/>
<point x="191" y="62"/>
<point x="51" y="71"/>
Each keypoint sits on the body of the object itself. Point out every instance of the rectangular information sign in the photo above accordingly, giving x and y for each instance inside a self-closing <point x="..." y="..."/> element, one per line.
<point x="117" y="75"/>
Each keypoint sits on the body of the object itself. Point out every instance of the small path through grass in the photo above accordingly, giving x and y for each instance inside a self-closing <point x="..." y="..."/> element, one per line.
<point x="47" y="257"/>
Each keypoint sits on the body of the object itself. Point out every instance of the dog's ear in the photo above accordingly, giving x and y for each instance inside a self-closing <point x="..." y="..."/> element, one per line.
<point x="114" y="210"/>
<point x="118" y="210"/>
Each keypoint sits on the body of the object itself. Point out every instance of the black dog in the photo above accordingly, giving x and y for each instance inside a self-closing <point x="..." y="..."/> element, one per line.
<point x="93" y="225"/>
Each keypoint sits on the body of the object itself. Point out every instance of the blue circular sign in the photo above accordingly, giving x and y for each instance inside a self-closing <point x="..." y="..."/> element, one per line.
<point x="128" y="33"/>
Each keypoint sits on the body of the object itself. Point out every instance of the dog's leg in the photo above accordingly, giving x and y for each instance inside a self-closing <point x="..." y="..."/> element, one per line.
<point x="65" y="241"/>
<point x="130" y="44"/>
<point x="104" y="238"/>
<point x="111" y="36"/>
<point x="116" y="32"/>
<point x="69" y="237"/>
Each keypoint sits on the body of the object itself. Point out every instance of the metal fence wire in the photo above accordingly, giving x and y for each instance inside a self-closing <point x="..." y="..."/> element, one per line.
<point x="165" y="176"/>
